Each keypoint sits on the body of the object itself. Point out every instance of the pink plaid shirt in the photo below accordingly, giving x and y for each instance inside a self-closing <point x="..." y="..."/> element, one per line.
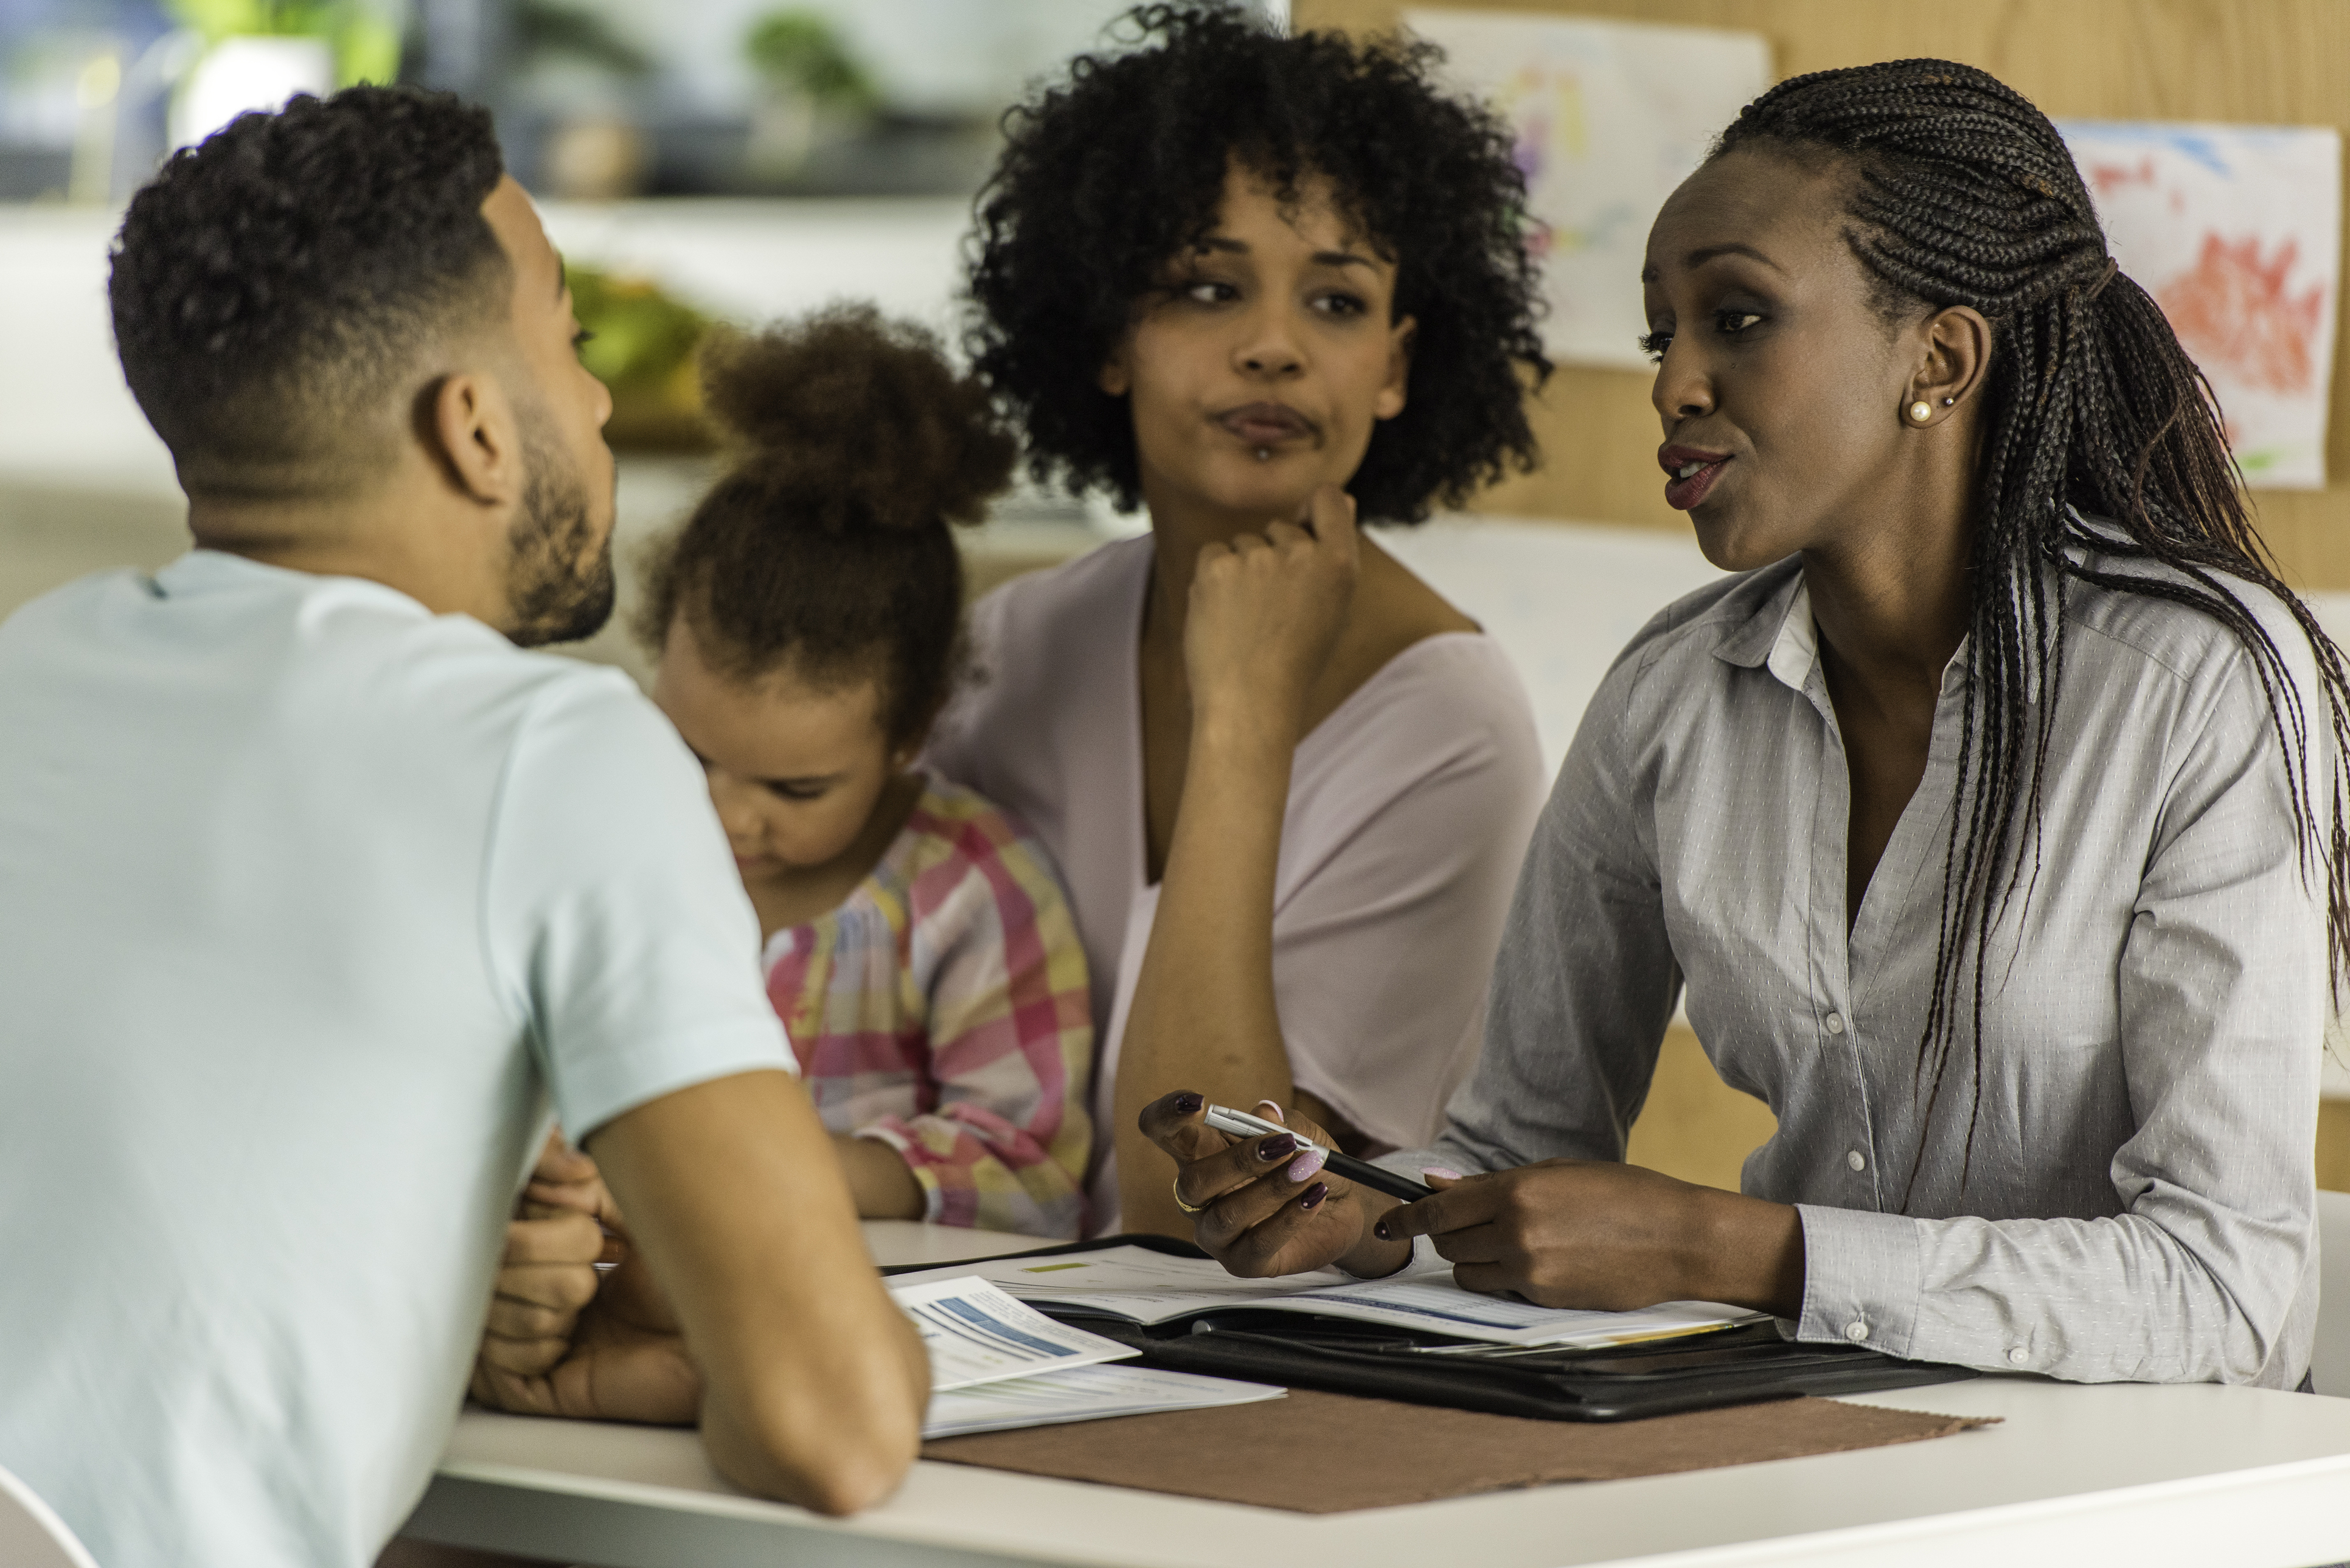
<point x="944" y="1010"/>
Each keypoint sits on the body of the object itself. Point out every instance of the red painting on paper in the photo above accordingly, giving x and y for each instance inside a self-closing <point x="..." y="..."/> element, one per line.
<point x="2235" y="231"/>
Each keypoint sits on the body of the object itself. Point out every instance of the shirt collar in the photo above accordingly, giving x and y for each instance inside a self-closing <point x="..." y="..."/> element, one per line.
<point x="1797" y="647"/>
<point x="1778" y="635"/>
<point x="1781" y="637"/>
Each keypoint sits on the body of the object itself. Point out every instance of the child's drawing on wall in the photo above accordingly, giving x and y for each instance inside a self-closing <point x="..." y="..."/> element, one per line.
<point x="2236" y="232"/>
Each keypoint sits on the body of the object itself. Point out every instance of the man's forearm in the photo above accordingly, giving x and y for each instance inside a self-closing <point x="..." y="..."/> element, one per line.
<point x="737" y="1201"/>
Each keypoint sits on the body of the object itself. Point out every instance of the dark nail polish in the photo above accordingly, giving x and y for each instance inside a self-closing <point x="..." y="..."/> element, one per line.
<point x="1188" y="1104"/>
<point x="1382" y="1233"/>
<point x="1280" y="1146"/>
<point x="1314" y="1195"/>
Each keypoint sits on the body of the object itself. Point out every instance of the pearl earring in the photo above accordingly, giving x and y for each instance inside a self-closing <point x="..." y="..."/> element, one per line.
<point x="1921" y="410"/>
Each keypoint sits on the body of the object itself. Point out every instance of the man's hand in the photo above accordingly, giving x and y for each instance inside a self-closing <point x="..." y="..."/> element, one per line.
<point x="567" y="1179"/>
<point x="1268" y="1209"/>
<point x="564" y="1224"/>
<point x="1266" y="610"/>
<point x="1597" y="1234"/>
<point x="625" y="1360"/>
<point x="561" y="1339"/>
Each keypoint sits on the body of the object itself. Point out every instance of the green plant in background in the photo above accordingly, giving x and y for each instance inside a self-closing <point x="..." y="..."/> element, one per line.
<point x="364" y="41"/>
<point x="802" y="52"/>
<point x="545" y="29"/>
<point x="642" y="350"/>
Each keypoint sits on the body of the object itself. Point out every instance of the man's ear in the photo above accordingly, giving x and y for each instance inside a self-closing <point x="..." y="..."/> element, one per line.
<point x="1392" y="390"/>
<point x="468" y="425"/>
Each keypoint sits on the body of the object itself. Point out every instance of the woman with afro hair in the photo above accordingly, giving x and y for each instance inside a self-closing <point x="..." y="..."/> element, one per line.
<point x="1264" y="286"/>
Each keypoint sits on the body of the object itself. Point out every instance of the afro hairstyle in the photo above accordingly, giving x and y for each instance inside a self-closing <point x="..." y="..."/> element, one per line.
<point x="1109" y="174"/>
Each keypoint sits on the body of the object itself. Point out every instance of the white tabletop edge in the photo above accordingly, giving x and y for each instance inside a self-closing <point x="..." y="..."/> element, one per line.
<point x="2154" y="1471"/>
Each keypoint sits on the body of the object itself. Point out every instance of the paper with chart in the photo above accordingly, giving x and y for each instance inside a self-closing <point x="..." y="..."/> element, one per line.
<point x="1083" y="1394"/>
<point x="1608" y="118"/>
<point x="1147" y="1287"/>
<point x="2235" y="230"/>
<point x="976" y="1333"/>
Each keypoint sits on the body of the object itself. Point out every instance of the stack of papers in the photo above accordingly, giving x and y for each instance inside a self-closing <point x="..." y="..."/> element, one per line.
<point x="1083" y="1394"/>
<point x="996" y="1364"/>
<point x="1145" y="1287"/>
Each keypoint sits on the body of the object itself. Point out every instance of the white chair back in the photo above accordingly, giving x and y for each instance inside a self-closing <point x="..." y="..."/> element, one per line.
<point x="31" y="1534"/>
<point x="2329" y="1362"/>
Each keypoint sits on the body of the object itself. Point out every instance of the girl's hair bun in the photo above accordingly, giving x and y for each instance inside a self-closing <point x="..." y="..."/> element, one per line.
<point x="845" y="419"/>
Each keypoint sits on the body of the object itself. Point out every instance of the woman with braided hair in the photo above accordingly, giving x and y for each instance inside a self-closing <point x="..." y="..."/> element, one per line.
<point x="1989" y="817"/>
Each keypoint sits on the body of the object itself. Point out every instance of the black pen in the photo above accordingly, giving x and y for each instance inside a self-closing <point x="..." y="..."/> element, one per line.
<point x="1361" y="1172"/>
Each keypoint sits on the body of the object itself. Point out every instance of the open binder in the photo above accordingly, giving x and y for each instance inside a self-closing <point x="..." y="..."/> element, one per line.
<point x="1616" y="1383"/>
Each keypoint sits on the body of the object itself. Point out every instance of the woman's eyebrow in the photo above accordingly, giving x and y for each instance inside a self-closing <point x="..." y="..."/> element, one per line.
<point x="1321" y="258"/>
<point x="1704" y="254"/>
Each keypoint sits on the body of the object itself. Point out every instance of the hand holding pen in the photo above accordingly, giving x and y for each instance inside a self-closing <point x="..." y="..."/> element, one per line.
<point x="1278" y="1201"/>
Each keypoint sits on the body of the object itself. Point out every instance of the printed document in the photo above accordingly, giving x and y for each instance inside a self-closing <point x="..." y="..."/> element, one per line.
<point x="1147" y="1287"/>
<point x="976" y="1333"/>
<point x="1082" y="1394"/>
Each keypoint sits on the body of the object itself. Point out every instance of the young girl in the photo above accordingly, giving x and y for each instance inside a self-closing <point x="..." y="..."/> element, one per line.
<point x="1986" y="816"/>
<point x="1258" y="283"/>
<point x="806" y="624"/>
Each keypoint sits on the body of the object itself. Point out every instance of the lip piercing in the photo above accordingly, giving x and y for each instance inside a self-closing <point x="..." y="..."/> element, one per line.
<point x="1265" y="455"/>
<point x="1921" y="410"/>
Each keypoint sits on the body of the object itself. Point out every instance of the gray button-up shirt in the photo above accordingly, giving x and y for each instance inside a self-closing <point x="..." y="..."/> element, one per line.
<point x="2138" y="1204"/>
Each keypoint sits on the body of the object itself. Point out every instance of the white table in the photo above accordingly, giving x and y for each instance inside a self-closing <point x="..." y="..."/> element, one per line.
<point x="2149" y="1476"/>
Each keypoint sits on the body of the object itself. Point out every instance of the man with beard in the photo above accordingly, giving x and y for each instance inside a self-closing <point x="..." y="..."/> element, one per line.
<point x="314" y="887"/>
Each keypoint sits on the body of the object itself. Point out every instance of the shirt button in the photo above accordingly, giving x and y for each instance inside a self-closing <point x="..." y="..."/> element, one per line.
<point x="1856" y="1159"/>
<point x="1836" y="1023"/>
<point x="2018" y="1356"/>
<point x="1856" y="1330"/>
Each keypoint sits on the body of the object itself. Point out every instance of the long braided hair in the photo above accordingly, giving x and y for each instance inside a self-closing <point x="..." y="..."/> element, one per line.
<point x="1965" y="195"/>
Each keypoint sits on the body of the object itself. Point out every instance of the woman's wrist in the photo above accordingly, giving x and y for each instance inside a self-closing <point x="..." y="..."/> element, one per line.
<point x="1745" y="1252"/>
<point x="1371" y="1258"/>
<point x="1245" y="724"/>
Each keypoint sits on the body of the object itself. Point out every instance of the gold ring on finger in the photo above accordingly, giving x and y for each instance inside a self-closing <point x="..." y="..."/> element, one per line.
<point x="1186" y="1207"/>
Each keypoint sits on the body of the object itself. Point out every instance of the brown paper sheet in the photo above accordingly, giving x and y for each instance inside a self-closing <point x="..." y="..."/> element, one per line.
<point x="1331" y="1453"/>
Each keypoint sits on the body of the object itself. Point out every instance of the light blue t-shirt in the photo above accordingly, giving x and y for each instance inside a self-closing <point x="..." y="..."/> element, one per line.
<point x="307" y="899"/>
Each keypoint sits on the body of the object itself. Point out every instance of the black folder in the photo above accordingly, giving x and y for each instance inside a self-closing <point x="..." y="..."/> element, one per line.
<point x="1736" y="1365"/>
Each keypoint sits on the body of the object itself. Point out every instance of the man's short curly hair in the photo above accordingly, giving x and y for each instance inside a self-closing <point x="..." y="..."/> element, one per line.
<point x="1108" y="175"/>
<point x="271" y="285"/>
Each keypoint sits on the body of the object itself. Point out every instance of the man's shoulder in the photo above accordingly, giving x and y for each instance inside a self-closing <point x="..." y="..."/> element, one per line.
<point x="352" y="665"/>
<point x="421" y="674"/>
